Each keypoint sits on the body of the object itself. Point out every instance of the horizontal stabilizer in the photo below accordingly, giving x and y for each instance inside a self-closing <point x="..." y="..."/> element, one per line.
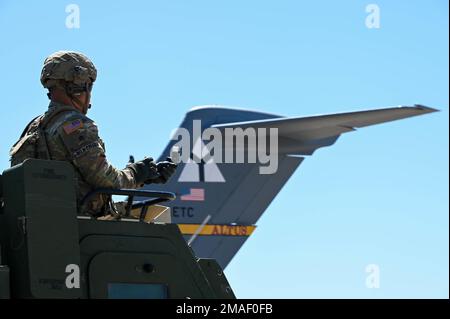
<point x="343" y="122"/>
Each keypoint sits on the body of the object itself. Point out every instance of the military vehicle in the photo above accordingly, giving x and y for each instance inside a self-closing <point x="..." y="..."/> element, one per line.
<point x="49" y="251"/>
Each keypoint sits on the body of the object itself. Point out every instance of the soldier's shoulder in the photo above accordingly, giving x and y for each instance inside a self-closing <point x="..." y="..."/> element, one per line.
<point x="72" y="115"/>
<point x="70" y="121"/>
<point x="78" y="133"/>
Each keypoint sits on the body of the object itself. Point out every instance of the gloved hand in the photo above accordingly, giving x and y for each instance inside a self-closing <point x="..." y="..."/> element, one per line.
<point x="165" y="170"/>
<point x="144" y="171"/>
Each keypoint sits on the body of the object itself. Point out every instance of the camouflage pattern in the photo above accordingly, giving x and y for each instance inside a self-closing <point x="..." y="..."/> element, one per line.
<point x="71" y="136"/>
<point x="30" y="144"/>
<point x="67" y="66"/>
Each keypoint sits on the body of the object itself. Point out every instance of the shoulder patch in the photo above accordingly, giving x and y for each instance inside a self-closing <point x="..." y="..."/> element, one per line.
<point x="70" y="127"/>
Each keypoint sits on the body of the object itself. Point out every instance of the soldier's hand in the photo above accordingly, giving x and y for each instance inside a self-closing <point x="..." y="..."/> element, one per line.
<point x="144" y="171"/>
<point x="165" y="170"/>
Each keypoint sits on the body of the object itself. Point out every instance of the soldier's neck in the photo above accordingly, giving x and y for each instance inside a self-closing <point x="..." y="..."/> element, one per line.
<point x="62" y="98"/>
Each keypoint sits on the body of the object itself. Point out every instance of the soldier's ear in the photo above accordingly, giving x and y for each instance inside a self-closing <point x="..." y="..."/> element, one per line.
<point x="49" y="94"/>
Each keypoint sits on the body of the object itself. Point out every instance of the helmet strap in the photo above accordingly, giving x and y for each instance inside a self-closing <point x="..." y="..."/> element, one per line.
<point x="73" y="90"/>
<point x="84" y="107"/>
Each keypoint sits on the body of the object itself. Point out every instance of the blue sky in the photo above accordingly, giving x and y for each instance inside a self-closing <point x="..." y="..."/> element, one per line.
<point x="378" y="196"/>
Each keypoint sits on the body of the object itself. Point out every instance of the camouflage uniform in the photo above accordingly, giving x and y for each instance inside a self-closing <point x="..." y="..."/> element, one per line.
<point x="63" y="133"/>
<point x="72" y="136"/>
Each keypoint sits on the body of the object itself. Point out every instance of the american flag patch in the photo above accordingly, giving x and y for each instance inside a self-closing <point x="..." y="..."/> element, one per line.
<point x="195" y="194"/>
<point x="71" y="127"/>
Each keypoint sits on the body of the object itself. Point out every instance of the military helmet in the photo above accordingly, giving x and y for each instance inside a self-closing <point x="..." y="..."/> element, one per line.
<point x="67" y="67"/>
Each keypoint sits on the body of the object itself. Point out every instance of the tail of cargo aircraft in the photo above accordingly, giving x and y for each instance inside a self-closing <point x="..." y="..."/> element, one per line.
<point x="219" y="202"/>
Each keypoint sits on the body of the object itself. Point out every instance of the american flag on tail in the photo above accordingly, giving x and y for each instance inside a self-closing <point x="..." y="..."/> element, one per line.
<point x="194" y="194"/>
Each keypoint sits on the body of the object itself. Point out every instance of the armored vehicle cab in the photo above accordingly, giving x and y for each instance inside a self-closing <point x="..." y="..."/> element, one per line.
<point x="48" y="251"/>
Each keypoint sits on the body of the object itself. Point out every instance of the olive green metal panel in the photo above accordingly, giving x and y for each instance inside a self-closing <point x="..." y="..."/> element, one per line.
<point x="4" y="282"/>
<point x="41" y="230"/>
<point x="216" y="278"/>
<point x="139" y="253"/>
<point x="1" y="187"/>
<point x="108" y="268"/>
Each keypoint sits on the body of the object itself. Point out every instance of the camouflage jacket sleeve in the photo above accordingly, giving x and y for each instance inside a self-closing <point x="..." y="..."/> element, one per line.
<point x="79" y="135"/>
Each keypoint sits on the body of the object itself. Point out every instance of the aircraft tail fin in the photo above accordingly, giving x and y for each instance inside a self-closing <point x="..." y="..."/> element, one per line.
<point x="219" y="203"/>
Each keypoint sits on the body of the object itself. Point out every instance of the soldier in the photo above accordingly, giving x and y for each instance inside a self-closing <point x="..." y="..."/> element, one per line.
<point x="65" y="133"/>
